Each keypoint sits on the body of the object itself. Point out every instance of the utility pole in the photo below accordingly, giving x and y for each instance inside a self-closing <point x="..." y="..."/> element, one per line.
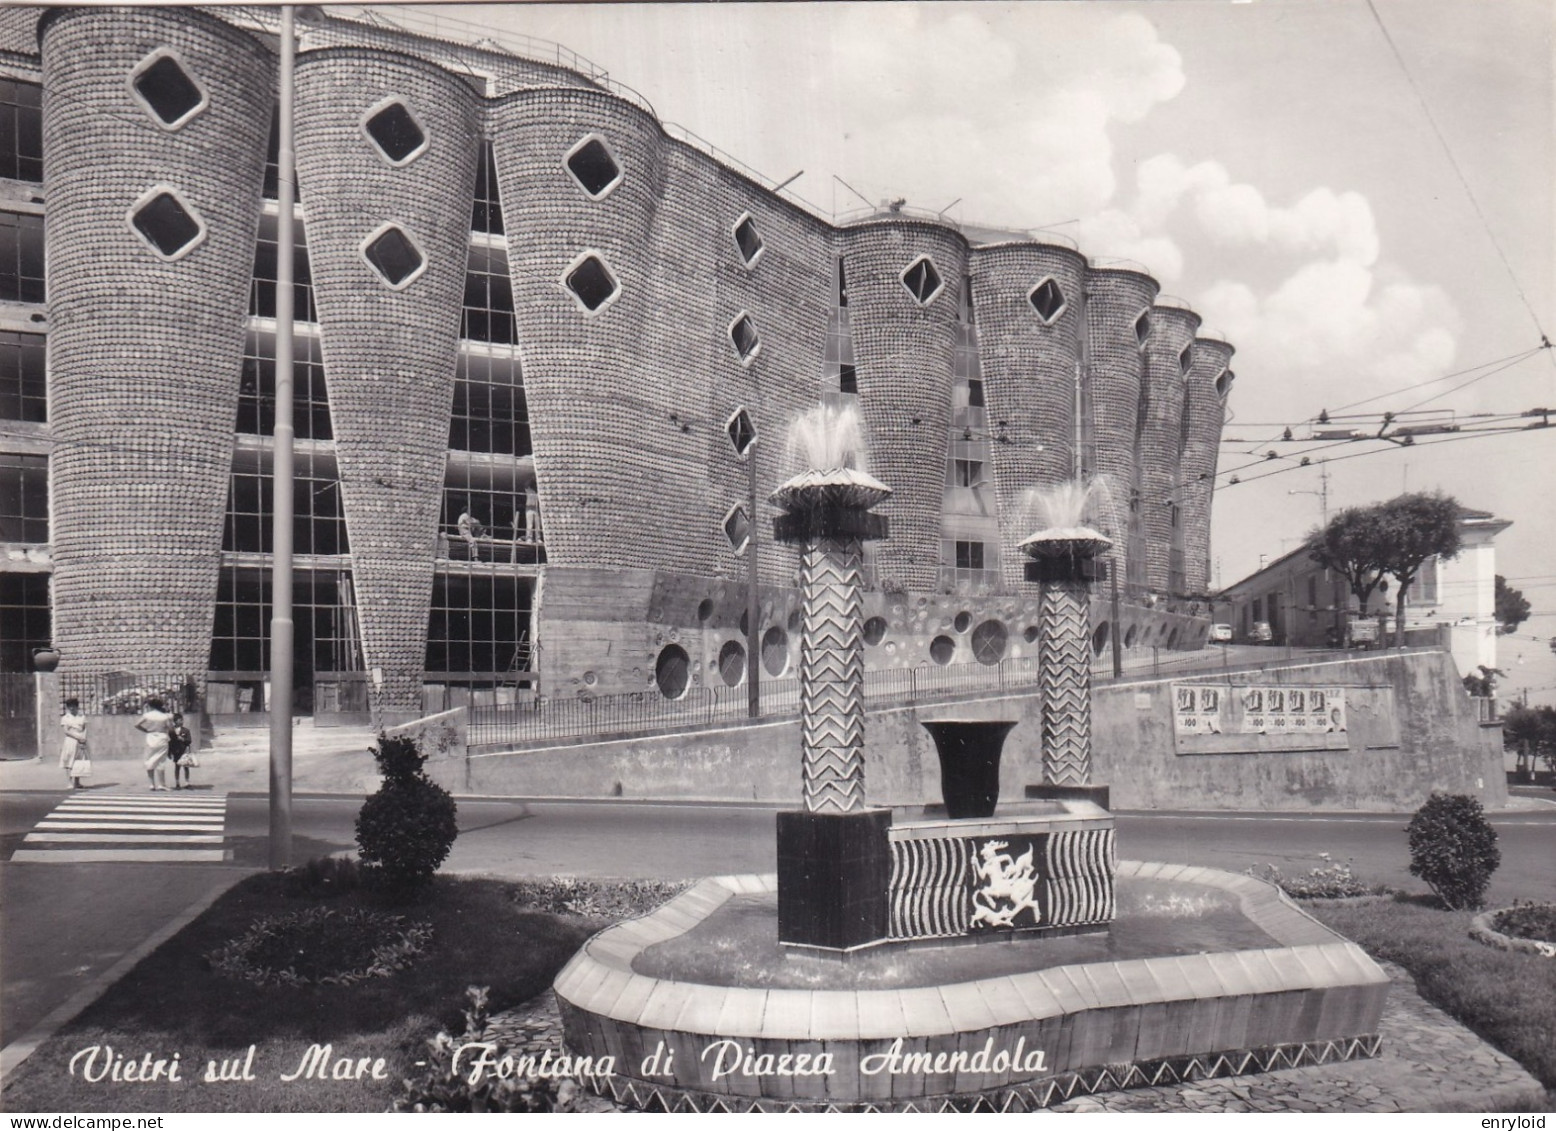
<point x="1322" y="493"/>
<point x="281" y="473"/>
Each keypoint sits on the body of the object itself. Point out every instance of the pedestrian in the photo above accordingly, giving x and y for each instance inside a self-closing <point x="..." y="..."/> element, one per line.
<point x="469" y="531"/>
<point x="72" y="752"/>
<point x="155" y="721"/>
<point x="179" y="753"/>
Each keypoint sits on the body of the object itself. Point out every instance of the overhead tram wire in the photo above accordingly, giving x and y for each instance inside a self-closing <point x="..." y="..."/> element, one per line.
<point x="1380" y="451"/>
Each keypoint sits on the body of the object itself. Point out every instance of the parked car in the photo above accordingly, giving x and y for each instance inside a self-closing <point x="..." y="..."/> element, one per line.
<point x="1220" y="634"/>
<point x="1261" y="633"/>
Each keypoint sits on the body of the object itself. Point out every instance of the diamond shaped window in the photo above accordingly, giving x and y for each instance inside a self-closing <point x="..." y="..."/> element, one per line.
<point x="1047" y="299"/>
<point x="922" y="280"/>
<point x="1143" y="327"/>
<point x="167" y="90"/>
<point x="593" y="166"/>
<point x="591" y="282"/>
<point x="1186" y="358"/>
<point x="737" y="528"/>
<point x="749" y="241"/>
<point x="395" y="256"/>
<point x="163" y="220"/>
<point x="742" y="433"/>
<point x="396" y="133"/>
<point x="742" y="332"/>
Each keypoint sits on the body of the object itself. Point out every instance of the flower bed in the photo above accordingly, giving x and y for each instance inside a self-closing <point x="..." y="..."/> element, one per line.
<point x="1526" y="927"/>
<point x="321" y="946"/>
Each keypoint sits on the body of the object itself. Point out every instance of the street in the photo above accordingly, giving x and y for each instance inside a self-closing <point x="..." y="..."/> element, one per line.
<point x="69" y="923"/>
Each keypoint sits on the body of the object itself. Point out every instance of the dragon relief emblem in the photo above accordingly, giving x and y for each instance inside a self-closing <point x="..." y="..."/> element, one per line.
<point x="1007" y="886"/>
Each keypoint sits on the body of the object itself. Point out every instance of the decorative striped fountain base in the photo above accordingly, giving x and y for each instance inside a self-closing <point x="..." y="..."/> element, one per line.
<point x="1011" y="1041"/>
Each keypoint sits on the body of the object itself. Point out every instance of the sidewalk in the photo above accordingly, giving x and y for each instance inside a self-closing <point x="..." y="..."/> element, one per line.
<point x="348" y="774"/>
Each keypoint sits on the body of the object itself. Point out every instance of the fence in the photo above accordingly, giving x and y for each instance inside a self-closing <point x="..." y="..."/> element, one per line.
<point x="126" y="693"/>
<point x="703" y="706"/>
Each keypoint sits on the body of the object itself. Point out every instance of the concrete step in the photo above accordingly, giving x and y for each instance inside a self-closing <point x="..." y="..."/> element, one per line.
<point x="306" y="739"/>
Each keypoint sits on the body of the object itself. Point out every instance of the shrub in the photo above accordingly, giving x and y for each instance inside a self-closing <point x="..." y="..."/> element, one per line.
<point x="439" y="1088"/>
<point x="1454" y="849"/>
<point x="322" y="877"/>
<point x="406" y="829"/>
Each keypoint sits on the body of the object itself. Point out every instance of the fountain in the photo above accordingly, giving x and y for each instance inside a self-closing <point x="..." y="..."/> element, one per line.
<point x="985" y="957"/>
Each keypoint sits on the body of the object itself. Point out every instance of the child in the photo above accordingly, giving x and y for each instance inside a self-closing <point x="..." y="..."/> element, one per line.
<point x="178" y="743"/>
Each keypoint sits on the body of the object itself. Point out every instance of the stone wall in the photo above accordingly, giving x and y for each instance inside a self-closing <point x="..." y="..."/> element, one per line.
<point x="1414" y="731"/>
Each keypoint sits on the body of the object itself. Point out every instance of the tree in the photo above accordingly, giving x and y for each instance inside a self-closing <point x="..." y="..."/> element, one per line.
<point x="1410" y="529"/>
<point x="1349" y="546"/>
<point x="1531" y="732"/>
<point x="1512" y="609"/>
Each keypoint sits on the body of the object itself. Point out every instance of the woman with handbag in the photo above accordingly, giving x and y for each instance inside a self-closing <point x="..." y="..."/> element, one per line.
<point x="72" y="752"/>
<point x="155" y="722"/>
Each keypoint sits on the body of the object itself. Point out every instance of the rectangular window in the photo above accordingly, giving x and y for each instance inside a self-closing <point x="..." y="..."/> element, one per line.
<point x="969" y="473"/>
<point x="488" y="305"/>
<point x="479" y="625"/>
<point x="318" y="521"/>
<point x="257" y="388"/>
<point x="847" y="379"/>
<point x="502" y="507"/>
<point x="842" y="284"/>
<point x="262" y="295"/>
<point x="24" y="611"/>
<point x="490" y="413"/>
<point x="24" y="499"/>
<point x="21" y="130"/>
<point x="21" y="257"/>
<point x="974" y="394"/>
<point x="23" y="385"/>
<point x="1312" y="591"/>
<point x="969" y="555"/>
<point x="486" y="216"/>
<point x="325" y="637"/>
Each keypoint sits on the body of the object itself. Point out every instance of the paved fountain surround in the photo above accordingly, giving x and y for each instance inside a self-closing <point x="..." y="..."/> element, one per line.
<point x="1011" y="1042"/>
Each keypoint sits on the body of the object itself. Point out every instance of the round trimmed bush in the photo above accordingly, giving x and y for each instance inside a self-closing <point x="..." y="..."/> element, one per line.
<point x="1454" y="849"/>
<point x="406" y="829"/>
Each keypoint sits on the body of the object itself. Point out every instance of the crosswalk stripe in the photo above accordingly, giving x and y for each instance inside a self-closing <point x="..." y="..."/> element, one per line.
<point x="129" y="828"/>
<point x="123" y="838"/>
<point x="120" y="855"/>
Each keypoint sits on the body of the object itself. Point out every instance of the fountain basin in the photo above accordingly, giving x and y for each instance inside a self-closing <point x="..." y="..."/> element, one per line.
<point x="1245" y="982"/>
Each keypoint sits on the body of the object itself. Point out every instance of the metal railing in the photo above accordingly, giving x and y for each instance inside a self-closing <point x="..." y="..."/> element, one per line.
<point x="126" y="693"/>
<point x="559" y="718"/>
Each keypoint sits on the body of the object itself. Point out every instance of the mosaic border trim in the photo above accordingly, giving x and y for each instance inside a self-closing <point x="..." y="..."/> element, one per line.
<point x="1035" y="1096"/>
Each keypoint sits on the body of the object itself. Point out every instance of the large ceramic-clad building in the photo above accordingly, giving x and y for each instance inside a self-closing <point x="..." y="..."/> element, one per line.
<point x="523" y="302"/>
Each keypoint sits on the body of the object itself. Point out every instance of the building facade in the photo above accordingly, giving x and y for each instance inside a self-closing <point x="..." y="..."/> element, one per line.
<point x="1310" y="606"/>
<point x="536" y="334"/>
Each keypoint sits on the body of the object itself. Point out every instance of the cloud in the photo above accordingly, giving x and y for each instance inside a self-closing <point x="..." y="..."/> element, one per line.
<point x="1005" y="106"/>
<point x="1328" y="328"/>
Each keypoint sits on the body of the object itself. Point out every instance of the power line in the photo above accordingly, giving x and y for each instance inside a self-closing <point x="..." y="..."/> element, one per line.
<point x="1453" y="162"/>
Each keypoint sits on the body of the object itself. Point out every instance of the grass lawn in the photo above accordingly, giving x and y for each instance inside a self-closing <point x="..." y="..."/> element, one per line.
<point x="1508" y="998"/>
<point x="171" y="1002"/>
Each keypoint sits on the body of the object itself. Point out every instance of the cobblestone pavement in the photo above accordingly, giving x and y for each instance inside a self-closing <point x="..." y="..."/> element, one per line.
<point x="1429" y="1063"/>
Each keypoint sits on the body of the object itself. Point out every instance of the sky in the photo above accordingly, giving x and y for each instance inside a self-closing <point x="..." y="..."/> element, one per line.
<point x="1358" y="196"/>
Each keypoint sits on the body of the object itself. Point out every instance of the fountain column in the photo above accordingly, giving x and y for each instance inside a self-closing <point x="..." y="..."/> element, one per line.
<point x="833" y="861"/>
<point x="1064" y="563"/>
